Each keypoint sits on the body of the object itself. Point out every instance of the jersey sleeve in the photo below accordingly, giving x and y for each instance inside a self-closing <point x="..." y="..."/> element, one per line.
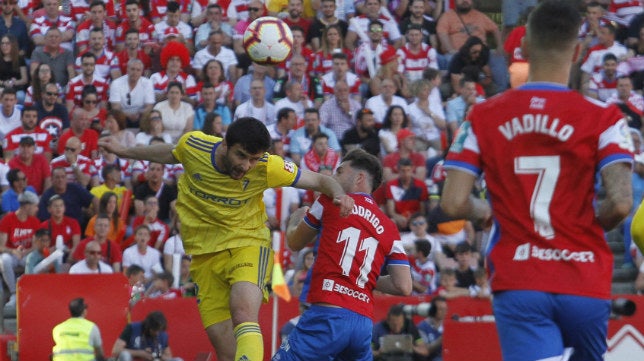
<point x="615" y="143"/>
<point x="280" y="172"/>
<point x="464" y="154"/>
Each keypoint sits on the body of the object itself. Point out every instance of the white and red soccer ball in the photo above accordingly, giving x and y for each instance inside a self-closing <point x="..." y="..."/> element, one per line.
<point x="268" y="40"/>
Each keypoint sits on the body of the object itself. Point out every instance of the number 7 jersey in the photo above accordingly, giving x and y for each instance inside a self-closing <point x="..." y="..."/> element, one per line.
<point x="351" y="252"/>
<point x="540" y="148"/>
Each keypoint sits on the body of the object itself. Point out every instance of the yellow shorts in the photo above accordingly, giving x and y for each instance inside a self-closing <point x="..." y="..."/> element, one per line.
<point x="215" y="273"/>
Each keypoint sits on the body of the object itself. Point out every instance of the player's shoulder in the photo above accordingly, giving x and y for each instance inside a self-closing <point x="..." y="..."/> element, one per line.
<point x="198" y="140"/>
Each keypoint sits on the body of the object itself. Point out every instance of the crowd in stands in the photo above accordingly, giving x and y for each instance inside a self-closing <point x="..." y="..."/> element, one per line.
<point x="395" y="78"/>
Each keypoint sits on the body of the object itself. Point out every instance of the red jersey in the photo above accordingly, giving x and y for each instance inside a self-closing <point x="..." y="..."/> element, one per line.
<point x="323" y="63"/>
<point x="41" y="137"/>
<point x="540" y="155"/>
<point x="84" y="164"/>
<point x="408" y="201"/>
<point x="512" y="45"/>
<point x="19" y="234"/>
<point x="84" y="28"/>
<point x="412" y="64"/>
<point x="159" y="231"/>
<point x="76" y="85"/>
<point x="89" y="142"/>
<point x="146" y="31"/>
<point x="123" y="58"/>
<point x="68" y="228"/>
<point x="36" y="172"/>
<point x="352" y="252"/>
<point x="110" y="251"/>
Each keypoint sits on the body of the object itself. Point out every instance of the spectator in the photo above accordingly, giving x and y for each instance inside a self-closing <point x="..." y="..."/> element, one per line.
<point x="321" y="24"/>
<point x="240" y="14"/>
<point x="16" y="233"/>
<point x="294" y="18"/>
<point x="158" y="230"/>
<point x="187" y="286"/>
<point x="13" y="69"/>
<point x="385" y="100"/>
<point x="79" y="127"/>
<point x="340" y="71"/>
<point x="465" y="265"/>
<point x="419" y="226"/>
<point x="77" y="199"/>
<point x="154" y="185"/>
<point x="603" y="84"/>
<point x="310" y="89"/>
<point x="132" y="93"/>
<point x="448" y="288"/>
<point x="174" y="56"/>
<point x="10" y="115"/>
<point x="29" y="128"/>
<point x="280" y="203"/>
<point x="17" y="185"/>
<point x="34" y="166"/>
<point x="41" y="250"/>
<point x="458" y="24"/>
<point x="415" y="56"/>
<point x="15" y="25"/>
<point x="418" y="17"/>
<point x="405" y="195"/>
<point x="147" y="340"/>
<point x="457" y="108"/>
<point x="210" y="106"/>
<point x="331" y="43"/>
<point x="87" y="76"/>
<point x="177" y="115"/>
<point x="216" y="51"/>
<point x="302" y="138"/>
<point x="339" y="112"/>
<point x="257" y="106"/>
<point x="359" y="27"/>
<point x="300" y="48"/>
<point x="214" y="22"/>
<point x="110" y="250"/>
<point x="60" y="59"/>
<point x="427" y="118"/>
<point x="242" y="90"/>
<point x="306" y="258"/>
<point x="396" y="324"/>
<point x="320" y="156"/>
<point x="161" y="287"/>
<point x="173" y="24"/>
<point x="107" y="66"/>
<point x="173" y="247"/>
<point x="41" y="76"/>
<point x="518" y="65"/>
<point x="52" y="115"/>
<point x="77" y="166"/>
<point x="423" y="268"/>
<point x="593" y="61"/>
<point x="472" y="62"/>
<point x="97" y="20"/>
<point x="77" y="337"/>
<point x="393" y="121"/>
<point x="406" y="143"/>
<point x="52" y="18"/>
<point x="132" y="49"/>
<point x="630" y="102"/>
<point x="213" y="73"/>
<point x="92" y="263"/>
<point x="96" y="114"/>
<point x="60" y="225"/>
<point x="363" y="135"/>
<point x="134" y="20"/>
<point x="112" y="179"/>
<point x="283" y="128"/>
<point x="115" y="124"/>
<point x="431" y="328"/>
<point x="152" y="127"/>
<point x="106" y="159"/>
<point x="108" y="206"/>
<point x="142" y="254"/>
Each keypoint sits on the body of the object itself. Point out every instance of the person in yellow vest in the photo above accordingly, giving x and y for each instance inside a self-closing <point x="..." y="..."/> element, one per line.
<point x="77" y="339"/>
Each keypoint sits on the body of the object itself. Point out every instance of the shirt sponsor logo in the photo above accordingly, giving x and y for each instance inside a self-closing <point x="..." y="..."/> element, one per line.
<point x="217" y="199"/>
<point x="331" y="286"/>
<point x="527" y="251"/>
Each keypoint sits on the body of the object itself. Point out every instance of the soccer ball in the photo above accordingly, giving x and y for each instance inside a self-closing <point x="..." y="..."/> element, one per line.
<point x="268" y="40"/>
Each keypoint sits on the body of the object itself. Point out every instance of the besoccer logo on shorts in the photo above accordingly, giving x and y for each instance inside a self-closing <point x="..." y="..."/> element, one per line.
<point x="327" y="285"/>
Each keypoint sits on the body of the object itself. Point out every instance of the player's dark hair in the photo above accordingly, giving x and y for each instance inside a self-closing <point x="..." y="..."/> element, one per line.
<point x="250" y="133"/>
<point x="553" y="26"/>
<point x="423" y="246"/>
<point x="154" y="321"/>
<point x="360" y="159"/>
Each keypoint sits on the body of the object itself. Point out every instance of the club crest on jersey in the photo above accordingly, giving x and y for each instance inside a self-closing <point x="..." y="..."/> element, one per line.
<point x="459" y="138"/>
<point x="289" y="166"/>
<point x="537" y="103"/>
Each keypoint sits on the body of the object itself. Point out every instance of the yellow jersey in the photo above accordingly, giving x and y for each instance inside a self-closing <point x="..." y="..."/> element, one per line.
<point x="216" y="211"/>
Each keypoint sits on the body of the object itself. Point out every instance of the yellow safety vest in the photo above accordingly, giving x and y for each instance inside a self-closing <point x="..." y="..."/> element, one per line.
<point x="72" y="340"/>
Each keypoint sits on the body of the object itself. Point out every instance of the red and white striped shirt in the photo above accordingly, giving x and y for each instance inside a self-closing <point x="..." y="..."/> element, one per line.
<point x="76" y="85"/>
<point x="84" y="164"/>
<point x="41" y="137"/>
<point x="412" y="64"/>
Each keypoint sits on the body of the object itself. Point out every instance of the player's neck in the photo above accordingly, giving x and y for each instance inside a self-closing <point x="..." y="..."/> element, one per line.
<point x="549" y="73"/>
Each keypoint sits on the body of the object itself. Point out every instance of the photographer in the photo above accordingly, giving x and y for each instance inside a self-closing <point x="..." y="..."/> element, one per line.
<point x="431" y="328"/>
<point x="397" y="323"/>
<point x="145" y="340"/>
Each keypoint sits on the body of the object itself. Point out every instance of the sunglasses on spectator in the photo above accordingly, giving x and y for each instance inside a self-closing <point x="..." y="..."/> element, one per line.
<point x="417" y="223"/>
<point x="52" y="94"/>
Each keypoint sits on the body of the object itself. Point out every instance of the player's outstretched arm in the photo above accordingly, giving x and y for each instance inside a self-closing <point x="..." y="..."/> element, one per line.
<point x="397" y="282"/>
<point x="160" y="153"/>
<point x="619" y="195"/>
<point x="298" y="233"/>
<point x="458" y="202"/>
<point x="327" y="185"/>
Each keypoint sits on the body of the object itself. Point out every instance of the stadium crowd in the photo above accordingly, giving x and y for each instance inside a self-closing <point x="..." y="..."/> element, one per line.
<point x="395" y="78"/>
